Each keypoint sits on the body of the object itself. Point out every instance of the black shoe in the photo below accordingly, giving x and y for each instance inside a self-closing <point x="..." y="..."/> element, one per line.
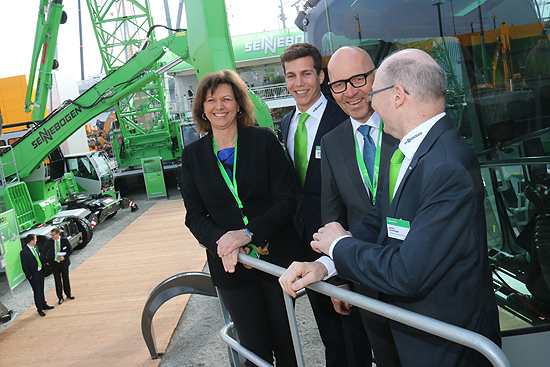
<point x="41" y="313"/>
<point x="70" y="296"/>
<point x="60" y="301"/>
<point x="48" y="307"/>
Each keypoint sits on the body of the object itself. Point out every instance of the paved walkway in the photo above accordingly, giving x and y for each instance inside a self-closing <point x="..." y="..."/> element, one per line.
<point x="102" y="326"/>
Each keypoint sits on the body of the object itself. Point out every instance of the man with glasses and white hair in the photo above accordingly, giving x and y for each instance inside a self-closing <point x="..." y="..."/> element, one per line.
<point x="424" y="244"/>
<point x="355" y="158"/>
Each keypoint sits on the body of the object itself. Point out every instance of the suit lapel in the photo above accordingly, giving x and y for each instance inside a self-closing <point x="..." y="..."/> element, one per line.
<point x="327" y="123"/>
<point x="210" y="163"/>
<point x="435" y="132"/>
<point x="347" y="149"/>
<point x="285" y="124"/>
<point x="243" y="154"/>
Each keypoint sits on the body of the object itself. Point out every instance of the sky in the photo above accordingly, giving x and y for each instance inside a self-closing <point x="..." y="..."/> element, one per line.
<point x="18" y="26"/>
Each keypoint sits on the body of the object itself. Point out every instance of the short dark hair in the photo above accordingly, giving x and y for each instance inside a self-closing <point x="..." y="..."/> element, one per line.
<point x="302" y="49"/>
<point x="30" y="238"/>
<point x="209" y="83"/>
<point x="56" y="230"/>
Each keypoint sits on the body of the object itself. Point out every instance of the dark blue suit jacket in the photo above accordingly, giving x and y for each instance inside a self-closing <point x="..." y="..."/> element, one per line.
<point x="441" y="268"/>
<point x="266" y="189"/>
<point x="308" y="214"/>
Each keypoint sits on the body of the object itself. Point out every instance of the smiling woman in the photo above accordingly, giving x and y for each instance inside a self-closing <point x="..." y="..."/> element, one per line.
<point x="238" y="190"/>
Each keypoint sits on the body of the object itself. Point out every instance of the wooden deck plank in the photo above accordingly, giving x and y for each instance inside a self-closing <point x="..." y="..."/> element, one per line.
<point x="102" y="326"/>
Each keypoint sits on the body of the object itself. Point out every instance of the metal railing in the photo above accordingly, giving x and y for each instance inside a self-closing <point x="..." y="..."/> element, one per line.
<point x="432" y="326"/>
<point x="200" y="283"/>
<point x="272" y="91"/>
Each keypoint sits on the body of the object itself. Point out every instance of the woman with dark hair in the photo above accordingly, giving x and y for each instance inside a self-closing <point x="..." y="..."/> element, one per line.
<point x="238" y="191"/>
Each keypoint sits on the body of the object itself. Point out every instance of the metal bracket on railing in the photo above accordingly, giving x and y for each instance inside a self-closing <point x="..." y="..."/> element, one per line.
<point x="184" y="283"/>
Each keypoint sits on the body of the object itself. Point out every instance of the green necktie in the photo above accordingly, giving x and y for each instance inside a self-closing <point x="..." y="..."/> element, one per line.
<point x="300" y="148"/>
<point x="57" y="249"/>
<point x="37" y="257"/>
<point x="395" y="166"/>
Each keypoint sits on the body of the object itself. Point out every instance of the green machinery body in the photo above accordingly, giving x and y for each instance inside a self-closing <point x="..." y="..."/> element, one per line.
<point x="35" y="195"/>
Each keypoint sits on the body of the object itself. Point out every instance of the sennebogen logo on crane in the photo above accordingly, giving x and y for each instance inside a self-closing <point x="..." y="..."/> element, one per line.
<point x="46" y="134"/>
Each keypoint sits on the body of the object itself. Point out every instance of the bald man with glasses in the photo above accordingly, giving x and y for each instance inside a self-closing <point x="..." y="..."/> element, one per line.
<point x="355" y="158"/>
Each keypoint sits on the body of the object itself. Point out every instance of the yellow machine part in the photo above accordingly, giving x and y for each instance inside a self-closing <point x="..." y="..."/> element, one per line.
<point x="12" y="99"/>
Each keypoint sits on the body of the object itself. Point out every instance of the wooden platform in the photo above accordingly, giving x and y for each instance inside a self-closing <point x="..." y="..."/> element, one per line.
<point x="102" y="326"/>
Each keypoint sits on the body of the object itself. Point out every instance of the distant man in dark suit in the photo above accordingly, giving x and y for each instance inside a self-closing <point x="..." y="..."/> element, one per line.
<point x="32" y="267"/>
<point x="302" y="130"/>
<point x="190" y="92"/>
<point x="424" y="244"/>
<point x="355" y="158"/>
<point x="59" y="252"/>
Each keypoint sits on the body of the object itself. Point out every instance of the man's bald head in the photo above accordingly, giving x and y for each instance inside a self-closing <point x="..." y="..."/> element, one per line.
<point x="352" y="62"/>
<point x="344" y="54"/>
<point x="417" y="72"/>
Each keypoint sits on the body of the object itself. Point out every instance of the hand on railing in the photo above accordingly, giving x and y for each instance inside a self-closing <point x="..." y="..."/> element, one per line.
<point x="301" y="274"/>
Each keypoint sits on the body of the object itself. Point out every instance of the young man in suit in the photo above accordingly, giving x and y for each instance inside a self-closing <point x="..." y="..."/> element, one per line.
<point x="302" y="130"/>
<point x="59" y="252"/>
<point x="355" y="158"/>
<point x="424" y="244"/>
<point x="32" y="267"/>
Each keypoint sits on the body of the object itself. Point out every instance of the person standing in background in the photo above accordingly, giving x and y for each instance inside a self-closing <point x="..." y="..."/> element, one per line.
<point x="59" y="253"/>
<point x="32" y="262"/>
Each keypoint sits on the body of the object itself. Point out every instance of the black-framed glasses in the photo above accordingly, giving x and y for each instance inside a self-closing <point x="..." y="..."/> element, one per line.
<point x="356" y="81"/>
<point x="373" y="92"/>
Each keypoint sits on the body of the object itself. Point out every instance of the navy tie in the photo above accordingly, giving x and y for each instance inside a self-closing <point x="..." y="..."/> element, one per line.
<point x="369" y="149"/>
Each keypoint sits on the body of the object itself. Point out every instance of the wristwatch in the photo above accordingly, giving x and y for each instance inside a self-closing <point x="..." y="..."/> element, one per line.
<point x="248" y="233"/>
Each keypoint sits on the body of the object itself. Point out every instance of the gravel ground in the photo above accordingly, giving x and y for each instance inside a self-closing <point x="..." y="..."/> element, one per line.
<point x="196" y="340"/>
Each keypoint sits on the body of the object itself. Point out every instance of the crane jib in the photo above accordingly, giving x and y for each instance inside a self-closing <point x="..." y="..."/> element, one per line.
<point x="47" y="133"/>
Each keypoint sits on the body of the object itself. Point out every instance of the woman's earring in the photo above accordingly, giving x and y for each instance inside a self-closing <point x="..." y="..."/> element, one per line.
<point x="203" y="116"/>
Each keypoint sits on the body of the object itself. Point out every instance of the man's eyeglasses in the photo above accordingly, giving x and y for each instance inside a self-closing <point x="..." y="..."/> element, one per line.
<point x="373" y="92"/>
<point x="356" y="81"/>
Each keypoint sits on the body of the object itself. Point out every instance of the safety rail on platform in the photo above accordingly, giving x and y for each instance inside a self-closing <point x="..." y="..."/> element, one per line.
<point x="200" y="283"/>
<point x="271" y="91"/>
<point x="432" y="326"/>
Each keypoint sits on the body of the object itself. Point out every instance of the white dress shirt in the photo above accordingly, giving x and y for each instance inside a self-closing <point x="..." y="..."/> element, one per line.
<point x="312" y="125"/>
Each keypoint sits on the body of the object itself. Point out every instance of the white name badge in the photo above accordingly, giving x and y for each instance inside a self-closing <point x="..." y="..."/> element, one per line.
<point x="317" y="152"/>
<point x="398" y="228"/>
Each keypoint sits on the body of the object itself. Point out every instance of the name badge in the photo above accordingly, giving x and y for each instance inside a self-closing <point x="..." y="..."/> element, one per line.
<point x="317" y="152"/>
<point x="398" y="228"/>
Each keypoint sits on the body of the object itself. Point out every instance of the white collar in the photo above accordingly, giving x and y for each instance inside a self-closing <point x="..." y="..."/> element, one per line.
<point x="317" y="109"/>
<point x="374" y="121"/>
<point x="410" y="142"/>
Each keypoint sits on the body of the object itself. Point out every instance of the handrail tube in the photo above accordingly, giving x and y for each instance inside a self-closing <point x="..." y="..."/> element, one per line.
<point x="233" y="344"/>
<point x="525" y="161"/>
<point x="430" y="325"/>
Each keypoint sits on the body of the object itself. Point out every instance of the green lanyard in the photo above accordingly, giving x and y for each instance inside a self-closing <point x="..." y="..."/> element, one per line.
<point x="231" y="184"/>
<point x="371" y="184"/>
